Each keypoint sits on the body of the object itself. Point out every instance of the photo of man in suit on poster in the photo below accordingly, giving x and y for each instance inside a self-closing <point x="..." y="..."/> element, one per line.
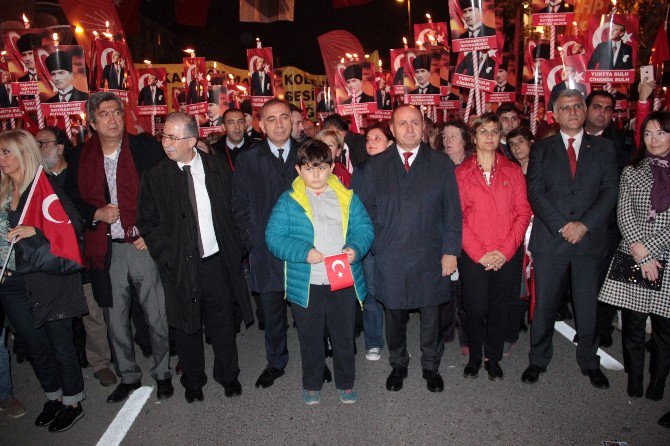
<point x="421" y="65"/>
<point x="613" y="54"/>
<point x="151" y="93"/>
<point x="25" y="45"/>
<point x="60" y="68"/>
<point x="554" y="6"/>
<point x="261" y="78"/>
<point x="114" y="74"/>
<point x="353" y="76"/>
<point x="7" y="99"/>
<point x="472" y="16"/>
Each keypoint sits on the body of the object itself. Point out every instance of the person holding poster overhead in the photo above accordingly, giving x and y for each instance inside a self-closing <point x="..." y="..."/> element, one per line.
<point x="472" y="16"/>
<point x="318" y="217"/>
<point x="59" y="65"/>
<point x="353" y="76"/>
<point x="261" y="84"/>
<point x="612" y="54"/>
<point x="421" y="65"/>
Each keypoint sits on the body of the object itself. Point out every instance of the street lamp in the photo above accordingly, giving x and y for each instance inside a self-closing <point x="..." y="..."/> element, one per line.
<point x="409" y="17"/>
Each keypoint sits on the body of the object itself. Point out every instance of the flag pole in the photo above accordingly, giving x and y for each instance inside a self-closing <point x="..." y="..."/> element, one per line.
<point x="23" y="214"/>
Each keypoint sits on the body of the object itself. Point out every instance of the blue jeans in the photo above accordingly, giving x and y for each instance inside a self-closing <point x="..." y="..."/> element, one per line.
<point x="373" y="310"/>
<point x="50" y="347"/>
<point x="5" y="372"/>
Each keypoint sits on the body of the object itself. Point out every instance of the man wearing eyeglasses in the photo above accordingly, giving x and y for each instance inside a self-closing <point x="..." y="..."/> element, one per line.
<point x="186" y="219"/>
<point x="573" y="184"/>
<point x="104" y="183"/>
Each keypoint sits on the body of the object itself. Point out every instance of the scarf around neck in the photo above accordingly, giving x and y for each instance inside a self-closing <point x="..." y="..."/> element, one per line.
<point x="660" y="189"/>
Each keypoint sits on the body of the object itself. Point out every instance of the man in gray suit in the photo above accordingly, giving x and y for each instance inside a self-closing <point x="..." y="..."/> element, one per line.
<point x="573" y="184"/>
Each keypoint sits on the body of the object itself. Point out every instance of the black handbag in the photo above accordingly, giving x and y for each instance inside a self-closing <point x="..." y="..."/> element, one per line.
<point x="626" y="270"/>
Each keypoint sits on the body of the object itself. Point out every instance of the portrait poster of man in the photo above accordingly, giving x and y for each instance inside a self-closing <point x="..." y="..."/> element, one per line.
<point x="552" y="12"/>
<point x="431" y="34"/>
<point x="473" y="25"/>
<point x="424" y="88"/>
<point x="112" y="68"/>
<point x="9" y="102"/>
<point x="531" y="79"/>
<point x="505" y="77"/>
<point x="217" y="103"/>
<point x="562" y="74"/>
<point x="573" y="45"/>
<point x="383" y="96"/>
<point x="64" y="69"/>
<point x="21" y="45"/>
<point x="196" y="84"/>
<point x="612" y="48"/>
<point x="178" y="99"/>
<point x="487" y="64"/>
<point x="261" y="78"/>
<point x="399" y="69"/>
<point x="151" y="98"/>
<point x="355" y="88"/>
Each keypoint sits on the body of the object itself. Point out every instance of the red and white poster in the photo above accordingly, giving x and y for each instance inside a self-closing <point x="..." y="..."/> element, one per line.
<point x="473" y="25"/>
<point x="562" y="74"/>
<point x="339" y="272"/>
<point x="398" y="69"/>
<point x="21" y="70"/>
<point x="424" y="80"/>
<point x="355" y="88"/>
<point x="383" y="96"/>
<point x="63" y="68"/>
<point x="9" y="102"/>
<point x="487" y="63"/>
<point x="195" y="85"/>
<point x="431" y="34"/>
<point x="532" y="78"/>
<point x="151" y="99"/>
<point x="179" y="99"/>
<point x="572" y="45"/>
<point x="504" y="90"/>
<point x="262" y="85"/>
<point x="111" y="68"/>
<point x="612" y="48"/>
<point x="552" y="12"/>
<point x="217" y="103"/>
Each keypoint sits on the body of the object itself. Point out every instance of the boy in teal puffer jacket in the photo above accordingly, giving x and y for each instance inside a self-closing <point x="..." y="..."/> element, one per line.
<point x="318" y="217"/>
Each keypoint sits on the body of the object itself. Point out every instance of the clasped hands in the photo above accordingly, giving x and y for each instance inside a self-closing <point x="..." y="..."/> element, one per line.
<point x="573" y="232"/>
<point x="493" y="260"/>
<point x="314" y="256"/>
<point x="650" y="268"/>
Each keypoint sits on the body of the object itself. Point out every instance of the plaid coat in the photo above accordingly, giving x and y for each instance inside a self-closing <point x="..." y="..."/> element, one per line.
<point x="632" y="215"/>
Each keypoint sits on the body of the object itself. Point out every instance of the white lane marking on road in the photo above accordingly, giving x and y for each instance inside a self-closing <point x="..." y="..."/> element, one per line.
<point x="126" y="417"/>
<point x="605" y="360"/>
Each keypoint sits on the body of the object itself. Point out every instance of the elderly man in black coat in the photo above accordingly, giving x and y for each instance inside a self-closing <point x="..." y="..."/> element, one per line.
<point x="201" y="269"/>
<point x="412" y="198"/>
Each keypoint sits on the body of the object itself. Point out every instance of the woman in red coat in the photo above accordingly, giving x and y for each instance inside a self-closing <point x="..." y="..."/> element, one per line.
<point x="495" y="217"/>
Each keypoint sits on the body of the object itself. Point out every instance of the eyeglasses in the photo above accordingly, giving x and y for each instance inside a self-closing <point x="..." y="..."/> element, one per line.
<point x="42" y="143"/>
<point x="486" y="133"/>
<point x="173" y="138"/>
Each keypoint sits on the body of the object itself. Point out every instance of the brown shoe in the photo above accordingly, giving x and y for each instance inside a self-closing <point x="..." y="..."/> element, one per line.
<point x="107" y="377"/>
<point x="12" y="407"/>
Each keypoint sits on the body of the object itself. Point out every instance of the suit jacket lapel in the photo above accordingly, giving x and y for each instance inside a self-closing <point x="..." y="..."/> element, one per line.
<point x="585" y="155"/>
<point x="562" y="154"/>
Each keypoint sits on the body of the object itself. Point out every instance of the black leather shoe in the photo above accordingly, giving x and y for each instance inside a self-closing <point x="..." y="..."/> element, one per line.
<point x="51" y="408"/>
<point x="471" y="369"/>
<point x="327" y="376"/>
<point x="634" y="388"/>
<point x="66" y="418"/>
<point x="193" y="395"/>
<point x="395" y="379"/>
<point x="164" y="389"/>
<point x="532" y="374"/>
<point x="434" y="381"/>
<point x="122" y="391"/>
<point x="232" y="388"/>
<point x="665" y="420"/>
<point x="83" y="361"/>
<point x="598" y="379"/>
<point x="268" y="377"/>
<point x="655" y="389"/>
<point x="605" y="340"/>
<point x="494" y="370"/>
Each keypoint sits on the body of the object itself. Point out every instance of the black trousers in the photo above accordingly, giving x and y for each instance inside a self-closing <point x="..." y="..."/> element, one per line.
<point x="633" y="336"/>
<point x="551" y="272"/>
<point x="430" y="335"/>
<point x="218" y="309"/>
<point x="453" y="316"/>
<point x="336" y="311"/>
<point x="274" y="313"/>
<point x="486" y="299"/>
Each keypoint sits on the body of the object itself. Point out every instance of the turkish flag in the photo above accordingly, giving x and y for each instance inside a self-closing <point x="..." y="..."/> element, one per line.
<point x="659" y="50"/>
<point x="334" y="45"/>
<point x="339" y="272"/>
<point x="44" y="211"/>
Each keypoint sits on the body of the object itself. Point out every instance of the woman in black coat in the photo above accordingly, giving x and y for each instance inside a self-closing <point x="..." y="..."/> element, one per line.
<point x="40" y="293"/>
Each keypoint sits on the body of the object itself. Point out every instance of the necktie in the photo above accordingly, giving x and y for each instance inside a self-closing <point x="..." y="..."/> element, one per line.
<point x="407" y="156"/>
<point x="422" y="90"/>
<point x="62" y="97"/>
<point x="614" y="54"/>
<point x="572" y="156"/>
<point x="33" y="77"/>
<point x="194" y="205"/>
<point x="281" y="155"/>
<point x="343" y="157"/>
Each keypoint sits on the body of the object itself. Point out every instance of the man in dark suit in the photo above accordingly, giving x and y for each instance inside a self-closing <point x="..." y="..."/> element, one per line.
<point x="113" y="75"/>
<point x="421" y="64"/>
<point x="486" y="65"/>
<point x="236" y="140"/>
<point x="612" y="54"/>
<point x="214" y="118"/>
<point x="151" y="94"/>
<point x="556" y="6"/>
<point x="59" y="65"/>
<point x="7" y="99"/>
<point x="261" y="175"/>
<point x="573" y="183"/>
<point x="599" y="110"/>
<point x="472" y="14"/>
<point x="195" y="89"/>
<point x="201" y="270"/>
<point x="568" y="83"/>
<point x="383" y="96"/>
<point x="501" y="80"/>
<point x="25" y="45"/>
<point x="261" y="80"/>
<point x="411" y="195"/>
<point x="354" y="151"/>
<point x="353" y="76"/>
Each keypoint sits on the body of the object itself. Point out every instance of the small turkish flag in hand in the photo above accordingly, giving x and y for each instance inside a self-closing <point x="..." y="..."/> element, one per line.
<point x="339" y="271"/>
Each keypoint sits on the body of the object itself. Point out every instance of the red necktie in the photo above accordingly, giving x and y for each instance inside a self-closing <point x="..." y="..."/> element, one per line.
<point x="407" y="156"/>
<point x="572" y="156"/>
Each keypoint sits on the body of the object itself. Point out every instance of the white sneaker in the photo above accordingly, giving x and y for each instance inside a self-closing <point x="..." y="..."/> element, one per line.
<point x="374" y="354"/>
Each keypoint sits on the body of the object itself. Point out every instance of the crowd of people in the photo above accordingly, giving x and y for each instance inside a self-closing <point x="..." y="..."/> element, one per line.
<point x="479" y="228"/>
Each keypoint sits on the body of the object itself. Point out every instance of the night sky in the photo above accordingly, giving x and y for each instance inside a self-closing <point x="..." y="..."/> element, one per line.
<point x="378" y="25"/>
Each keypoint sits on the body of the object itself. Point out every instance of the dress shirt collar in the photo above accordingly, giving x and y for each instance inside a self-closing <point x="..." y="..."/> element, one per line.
<point x="195" y="163"/>
<point x="411" y="158"/>
<point x="232" y="146"/>
<point x="578" y="140"/>
<point x="275" y="149"/>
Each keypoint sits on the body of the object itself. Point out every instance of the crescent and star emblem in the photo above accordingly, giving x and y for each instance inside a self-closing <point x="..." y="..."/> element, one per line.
<point x="340" y="263"/>
<point x="45" y="208"/>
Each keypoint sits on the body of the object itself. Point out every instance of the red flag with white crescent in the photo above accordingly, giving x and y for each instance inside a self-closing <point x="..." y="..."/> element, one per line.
<point x="339" y="272"/>
<point x="44" y="211"/>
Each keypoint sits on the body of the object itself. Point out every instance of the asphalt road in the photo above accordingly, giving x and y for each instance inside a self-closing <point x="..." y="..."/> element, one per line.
<point x="561" y="409"/>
